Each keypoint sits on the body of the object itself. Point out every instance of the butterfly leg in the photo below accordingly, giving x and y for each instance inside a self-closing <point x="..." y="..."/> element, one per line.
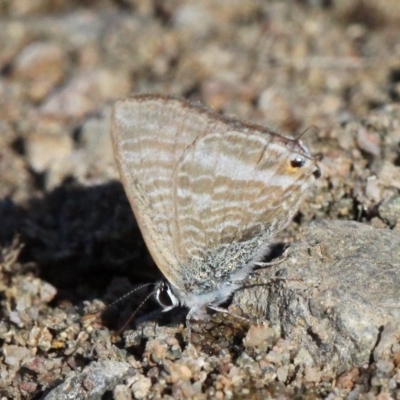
<point x="189" y="315"/>
<point x="272" y="263"/>
<point x="225" y="311"/>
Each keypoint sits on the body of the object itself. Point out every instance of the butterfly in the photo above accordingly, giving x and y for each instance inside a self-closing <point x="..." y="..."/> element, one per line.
<point x="208" y="192"/>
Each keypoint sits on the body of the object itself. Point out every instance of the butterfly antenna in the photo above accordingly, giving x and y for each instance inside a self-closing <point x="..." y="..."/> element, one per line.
<point x="316" y="129"/>
<point x="126" y="323"/>
<point x="317" y="157"/>
<point x="101" y="310"/>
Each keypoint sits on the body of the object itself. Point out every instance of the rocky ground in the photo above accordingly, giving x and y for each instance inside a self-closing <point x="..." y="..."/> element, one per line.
<point x="325" y="322"/>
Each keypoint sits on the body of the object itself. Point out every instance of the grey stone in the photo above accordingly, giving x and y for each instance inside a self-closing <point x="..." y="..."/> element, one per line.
<point x="389" y="210"/>
<point x="342" y="287"/>
<point x="95" y="137"/>
<point x="95" y="379"/>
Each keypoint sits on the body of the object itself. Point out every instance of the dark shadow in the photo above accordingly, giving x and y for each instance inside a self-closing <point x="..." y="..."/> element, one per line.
<point x="81" y="239"/>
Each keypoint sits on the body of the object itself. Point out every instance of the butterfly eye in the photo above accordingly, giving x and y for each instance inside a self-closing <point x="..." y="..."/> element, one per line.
<point x="165" y="297"/>
<point x="298" y="162"/>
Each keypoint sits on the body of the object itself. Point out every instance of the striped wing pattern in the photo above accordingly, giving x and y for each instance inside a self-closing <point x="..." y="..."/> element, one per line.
<point x="229" y="189"/>
<point x="149" y="138"/>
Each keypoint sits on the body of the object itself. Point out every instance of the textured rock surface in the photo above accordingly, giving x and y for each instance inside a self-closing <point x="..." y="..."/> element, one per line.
<point x="341" y="290"/>
<point x="92" y="382"/>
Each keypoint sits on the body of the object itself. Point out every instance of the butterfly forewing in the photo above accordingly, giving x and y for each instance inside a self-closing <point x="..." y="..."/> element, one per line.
<point x="150" y="135"/>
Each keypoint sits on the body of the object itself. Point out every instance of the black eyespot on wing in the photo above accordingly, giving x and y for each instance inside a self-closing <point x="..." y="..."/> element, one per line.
<point x="297" y="162"/>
